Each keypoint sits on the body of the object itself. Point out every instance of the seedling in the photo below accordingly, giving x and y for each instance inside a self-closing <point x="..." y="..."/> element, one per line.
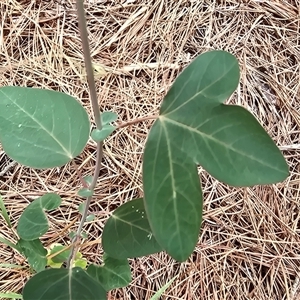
<point x="46" y="129"/>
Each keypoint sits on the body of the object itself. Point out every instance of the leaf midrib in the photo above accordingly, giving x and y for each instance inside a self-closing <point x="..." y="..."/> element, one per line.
<point x="174" y="199"/>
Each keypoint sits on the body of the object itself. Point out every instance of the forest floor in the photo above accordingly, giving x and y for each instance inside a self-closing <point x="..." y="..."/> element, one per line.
<point x="249" y="245"/>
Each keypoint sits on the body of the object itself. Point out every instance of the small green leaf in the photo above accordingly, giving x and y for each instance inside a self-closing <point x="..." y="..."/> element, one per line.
<point x="61" y="284"/>
<point x="33" y="222"/>
<point x="10" y="244"/>
<point x="35" y="253"/>
<point x="81" y="263"/>
<point x="10" y="295"/>
<point x="127" y="233"/>
<point x="4" y="213"/>
<point x="81" y="207"/>
<point x="195" y="127"/>
<point x="90" y="218"/>
<point x="54" y="265"/>
<point x="84" y="235"/>
<point x="41" y="128"/>
<point x="113" y="274"/>
<point x="108" y="117"/>
<point x="72" y="235"/>
<point x="85" y="193"/>
<point x="159" y="293"/>
<point x="60" y="257"/>
<point x="88" y="179"/>
<point x="100" y="135"/>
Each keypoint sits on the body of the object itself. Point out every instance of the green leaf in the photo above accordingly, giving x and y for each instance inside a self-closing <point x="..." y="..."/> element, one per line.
<point x="81" y="207"/>
<point x="115" y="273"/>
<point x="9" y="243"/>
<point x="90" y="218"/>
<point x="84" y="235"/>
<point x="85" y="192"/>
<point x="54" y="265"/>
<point x="72" y="235"/>
<point x="4" y="213"/>
<point x="108" y="117"/>
<point x="61" y="284"/>
<point x="10" y="295"/>
<point x="100" y="135"/>
<point x="33" y="222"/>
<point x="194" y="127"/>
<point x="41" y="128"/>
<point x="81" y="263"/>
<point x="88" y="179"/>
<point x="35" y="253"/>
<point x="61" y="256"/>
<point x="127" y="233"/>
<point x="225" y="139"/>
<point x="159" y="293"/>
<point x="231" y="145"/>
<point x="173" y="199"/>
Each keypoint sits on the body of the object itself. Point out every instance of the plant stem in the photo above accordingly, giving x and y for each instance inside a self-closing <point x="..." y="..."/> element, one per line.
<point x="97" y="117"/>
<point x="131" y="122"/>
<point x="88" y="62"/>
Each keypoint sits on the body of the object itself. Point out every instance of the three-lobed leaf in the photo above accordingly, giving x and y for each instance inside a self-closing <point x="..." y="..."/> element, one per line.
<point x="127" y="232"/>
<point x="41" y="128"/>
<point x="195" y="127"/>
<point x="113" y="274"/>
<point x="33" y="222"/>
<point x="61" y="284"/>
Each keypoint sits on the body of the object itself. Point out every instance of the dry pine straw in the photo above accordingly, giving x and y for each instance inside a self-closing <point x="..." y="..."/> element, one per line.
<point x="249" y="245"/>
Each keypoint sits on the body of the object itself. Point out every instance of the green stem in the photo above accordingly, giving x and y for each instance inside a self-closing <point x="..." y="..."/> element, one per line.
<point x="97" y="117"/>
